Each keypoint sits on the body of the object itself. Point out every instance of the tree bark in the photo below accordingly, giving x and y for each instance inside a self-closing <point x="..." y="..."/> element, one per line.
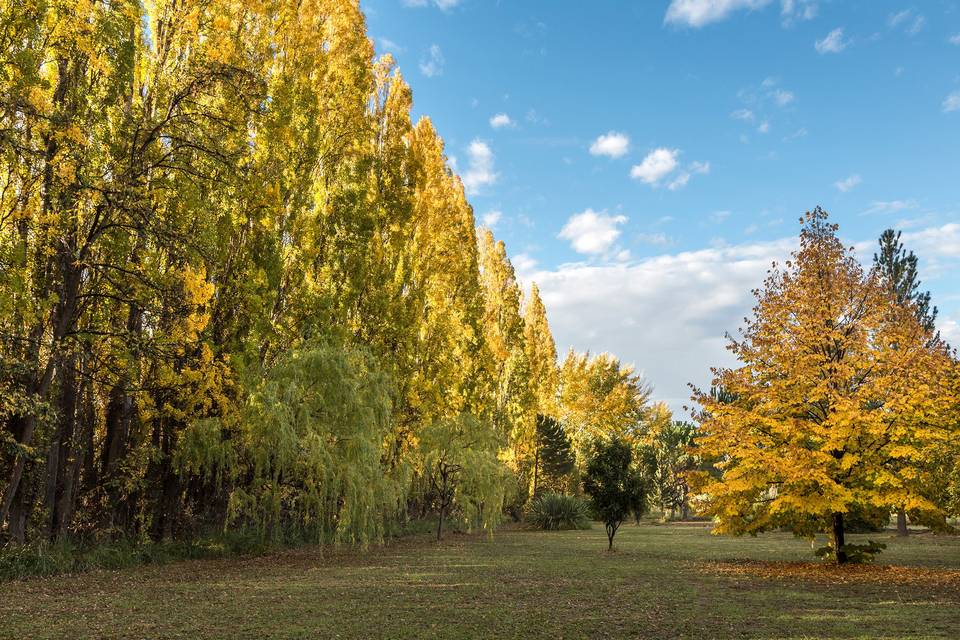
<point x="838" y="539"/>
<point x="902" y="529"/>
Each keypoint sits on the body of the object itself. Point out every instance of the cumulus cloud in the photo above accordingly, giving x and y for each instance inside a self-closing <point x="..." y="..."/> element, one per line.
<point x="685" y="303"/>
<point x="592" y="232"/>
<point x="697" y="13"/>
<point x="612" y="144"/>
<point x="951" y="102"/>
<point x="480" y="171"/>
<point x="743" y="114"/>
<point x="661" y="164"/>
<point x="833" y="42"/>
<point x="955" y="39"/>
<point x="848" y="183"/>
<point x="658" y="164"/>
<point x="431" y="64"/>
<point x="500" y="121"/>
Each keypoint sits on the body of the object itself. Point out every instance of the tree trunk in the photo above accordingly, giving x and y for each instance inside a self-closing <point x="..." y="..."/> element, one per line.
<point x="611" y="531"/>
<point x="440" y="524"/>
<point x="838" y="539"/>
<point x="902" y="523"/>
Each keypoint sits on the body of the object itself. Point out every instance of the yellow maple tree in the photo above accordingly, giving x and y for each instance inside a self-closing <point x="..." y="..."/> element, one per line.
<point x="839" y="397"/>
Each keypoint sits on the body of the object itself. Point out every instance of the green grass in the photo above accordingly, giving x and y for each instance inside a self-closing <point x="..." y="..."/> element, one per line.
<point x="662" y="582"/>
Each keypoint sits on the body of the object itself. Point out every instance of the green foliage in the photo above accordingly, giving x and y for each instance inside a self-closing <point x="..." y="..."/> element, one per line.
<point x="313" y="438"/>
<point x="554" y="456"/>
<point x="667" y="460"/>
<point x="555" y="512"/>
<point x="459" y="458"/>
<point x="614" y="485"/>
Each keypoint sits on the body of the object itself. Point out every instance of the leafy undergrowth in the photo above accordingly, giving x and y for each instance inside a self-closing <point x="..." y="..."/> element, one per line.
<point x="661" y="583"/>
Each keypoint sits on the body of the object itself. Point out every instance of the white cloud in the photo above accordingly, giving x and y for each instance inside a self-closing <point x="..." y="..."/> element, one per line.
<point x="935" y="242"/>
<point x="523" y="264"/>
<point x="684" y="176"/>
<point x="659" y="239"/>
<point x="491" y="218"/>
<point x="612" y="144"/>
<point x="912" y="23"/>
<point x="686" y="302"/>
<point x="890" y="206"/>
<point x="697" y="13"/>
<point x="783" y="97"/>
<point x="480" y="172"/>
<point x="764" y="127"/>
<point x="799" y="133"/>
<point x="658" y="164"/>
<point x="743" y="114"/>
<point x="848" y="183"/>
<point x="832" y="43"/>
<point x="386" y="44"/>
<point x="955" y="39"/>
<point x="431" y="64"/>
<point x="951" y="102"/>
<point x="500" y="121"/>
<point x="592" y="232"/>
<point x="794" y="10"/>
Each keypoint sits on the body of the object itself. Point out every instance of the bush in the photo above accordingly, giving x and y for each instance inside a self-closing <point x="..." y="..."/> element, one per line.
<point x="554" y="512"/>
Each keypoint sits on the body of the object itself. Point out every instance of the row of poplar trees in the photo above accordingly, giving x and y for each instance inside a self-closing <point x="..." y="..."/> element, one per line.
<point x="239" y="286"/>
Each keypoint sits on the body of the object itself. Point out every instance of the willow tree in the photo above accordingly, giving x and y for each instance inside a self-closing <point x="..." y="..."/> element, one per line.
<point x="459" y="457"/>
<point x="840" y="397"/>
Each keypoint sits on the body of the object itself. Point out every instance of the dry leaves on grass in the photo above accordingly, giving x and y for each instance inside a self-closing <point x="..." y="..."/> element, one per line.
<point x="825" y="573"/>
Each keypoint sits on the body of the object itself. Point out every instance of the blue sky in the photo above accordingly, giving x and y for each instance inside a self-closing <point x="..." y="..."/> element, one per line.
<point x="645" y="162"/>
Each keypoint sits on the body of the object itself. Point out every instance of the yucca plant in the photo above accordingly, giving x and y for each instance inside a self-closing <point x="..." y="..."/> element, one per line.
<point x="554" y="512"/>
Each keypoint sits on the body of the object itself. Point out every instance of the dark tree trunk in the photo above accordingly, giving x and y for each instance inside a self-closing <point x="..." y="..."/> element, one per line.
<point x="838" y="539"/>
<point x="902" y="523"/>
<point x="611" y="531"/>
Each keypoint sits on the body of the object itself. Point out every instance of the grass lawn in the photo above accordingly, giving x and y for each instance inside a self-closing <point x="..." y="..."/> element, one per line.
<point x="662" y="582"/>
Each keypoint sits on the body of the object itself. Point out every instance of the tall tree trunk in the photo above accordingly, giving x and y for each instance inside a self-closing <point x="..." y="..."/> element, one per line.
<point x="838" y="539"/>
<point x="59" y="461"/>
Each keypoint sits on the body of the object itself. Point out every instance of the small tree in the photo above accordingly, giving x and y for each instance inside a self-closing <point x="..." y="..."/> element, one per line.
<point x="615" y="487"/>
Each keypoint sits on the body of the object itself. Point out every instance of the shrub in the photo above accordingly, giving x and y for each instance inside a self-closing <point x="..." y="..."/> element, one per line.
<point x="554" y="512"/>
